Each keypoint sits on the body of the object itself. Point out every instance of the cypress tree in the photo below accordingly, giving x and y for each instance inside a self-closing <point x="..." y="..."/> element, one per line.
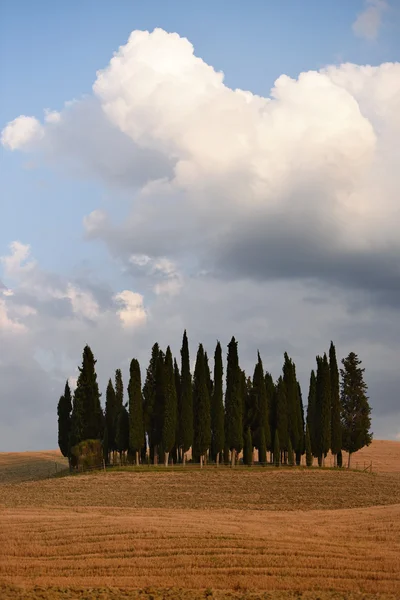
<point x="323" y="408"/>
<point x="87" y="415"/>
<point x="289" y="377"/>
<point x="336" y="427"/>
<point x="339" y="459"/>
<point x="201" y="408"/>
<point x="262" y="450"/>
<point x="136" y="426"/>
<point x="248" y="448"/>
<point x="300" y="419"/>
<point x="233" y="402"/>
<point x="290" y="453"/>
<point x="122" y="435"/>
<point x="106" y="449"/>
<point x="217" y="407"/>
<point x="312" y="413"/>
<point x="185" y="437"/>
<point x="119" y="392"/>
<point x="356" y="411"/>
<point x="170" y="407"/>
<point x="270" y="388"/>
<point x="149" y="391"/>
<point x="208" y="375"/>
<point x="158" y="408"/>
<point x="175" y="452"/>
<point x="281" y="418"/>
<point x="309" y="456"/>
<point x="64" y="410"/>
<point x="260" y="421"/>
<point x="111" y="417"/>
<point x="277" y="449"/>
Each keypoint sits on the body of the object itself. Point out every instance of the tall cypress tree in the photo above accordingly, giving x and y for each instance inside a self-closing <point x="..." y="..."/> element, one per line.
<point x="248" y="448"/>
<point x="158" y="408"/>
<point x="277" y="449"/>
<point x="185" y="429"/>
<point x="300" y="421"/>
<point x="312" y="413"/>
<point x="64" y="410"/>
<point x="119" y="391"/>
<point x="201" y="408"/>
<point x="260" y="407"/>
<point x="270" y="388"/>
<point x="336" y="427"/>
<point x="289" y="377"/>
<point x="209" y="380"/>
<point x="111" y="417"/>
<point x="233" y="402"/>
<point x="136" y="426"/>
<point x="170" y="407"/>
<point x="281" y="418"/>
<point x="149" y="391"/>
<point x="217" y="407"/>
<point x="309" y="456"/>
<point x="175" y="453"/>
<point x="356" y="411"/>
<point x="87" y="415"/>
<point x="122" y="433"/>
<point x="323" y="409"/>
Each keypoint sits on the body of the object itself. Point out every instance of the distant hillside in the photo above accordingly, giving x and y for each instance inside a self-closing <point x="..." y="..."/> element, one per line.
<point x="27" y="466"/>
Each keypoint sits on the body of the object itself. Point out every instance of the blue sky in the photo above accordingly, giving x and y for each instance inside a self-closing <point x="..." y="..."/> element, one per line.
<point x="50" y="53"/>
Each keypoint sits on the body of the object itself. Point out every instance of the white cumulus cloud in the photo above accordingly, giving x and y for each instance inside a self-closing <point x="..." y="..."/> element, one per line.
<point x="22" y="133"/>
<point x="131" y="309"/>
<point x="369" y="21"/>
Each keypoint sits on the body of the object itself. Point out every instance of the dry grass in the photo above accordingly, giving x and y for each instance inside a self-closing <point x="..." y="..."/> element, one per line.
<point x="249" y="534"/>
<point x="26" y="466"/>
<point x="384" y="455"/>
<point x="345" y="550"/>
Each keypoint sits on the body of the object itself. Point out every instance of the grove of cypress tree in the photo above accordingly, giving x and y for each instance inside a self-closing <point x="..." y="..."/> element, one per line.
<point x="281" y="418"/>
<point x="158" y="409"/>
<point x="170" y="407"/>
<point x="323" y="408"/>
<point x="233" y="402"/>
<point x="176" y="450"/>
<point x="261" y="422"/>
<point x="201" y="408"/>
<point x="122" y="435"/>
<point x="185" y="429"/>
<point x="289" y="377"/>
<point x="87" y="415"/>
<point x="270" y="388"/>
<point x="300" y="420"/>
<point x="248" y="448"/>
<point x="309" y="456"/>
<point x="64" y="409"/>
<point x="119" y="392"/>
<point x="356" y="411"/>
<point x="209" y="380"/>
<point x="336" y="426"/>
<point x="217" y="407"/>
<point x="111" y="417"/>
<point x="136" y="425"/>
<point x="277" y="449"/>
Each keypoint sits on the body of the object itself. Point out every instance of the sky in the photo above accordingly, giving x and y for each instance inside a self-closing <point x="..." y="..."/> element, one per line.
<point x="229" y="168"/>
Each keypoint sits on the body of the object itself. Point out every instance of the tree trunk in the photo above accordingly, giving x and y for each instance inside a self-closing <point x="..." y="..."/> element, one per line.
<point x="217" y="459"/>
<point x="335" y="460"/>
<point x="166" y="456"/>
<point x="137" y="458"/>
<point x="233" y="456"/>
<point x="184" y="459"/>
<point x="201" y="461"/>
<point x="155" y="458"/>
<point x="348" y="463"/>
<point x="319" y="460"/>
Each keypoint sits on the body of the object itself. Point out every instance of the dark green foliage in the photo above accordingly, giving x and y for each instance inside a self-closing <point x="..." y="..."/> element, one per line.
<point x="336" y="426"/>
<point x="87" y="416"/>
<point x="185" y="429"/>
<point x="201" y="407"/>
<point x="149" y="393"/>
<point x="356" y="411"/>
<point x="217" y="405"/>
<point x="290" y="454"/>
<point x="158" y="407"/>
<point x="176" y="451"/>
<point x="111" y="416"/>
<point x="248" y="448"/>
<point x="323" y="408"/>
<point x="339" y="459"/>
<point x="300" y="418"/>
<point x="119" y="391"/>
<point x="226" y="454"/>
<point x="170" y="405"/>
<point x="233" y="400"/>
<point x="281" y="417"/>
<point x="270" y="389"/>
<point x="260" y="422"/>
<point x="262" y="449"/>
<point x="210" y="384"/>
<point x="309" y="456"/>
<point x="64" y="410"/>
<point x="312" y="413"/>
<point x="289" y="377"/>
<point x="277" y="449"/>
<point x="136" y="426"/>
<point x="122" y="435"/>
<point x="87" y="454"/>
<point x="106" y="450"/>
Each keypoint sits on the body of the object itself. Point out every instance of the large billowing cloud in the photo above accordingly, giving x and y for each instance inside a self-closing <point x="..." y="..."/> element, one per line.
<point x="244" y="209"/>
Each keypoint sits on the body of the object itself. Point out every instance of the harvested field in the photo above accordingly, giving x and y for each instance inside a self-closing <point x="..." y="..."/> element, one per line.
<point x="383" y="454"/>
<point x="346" y="550"/>
<point x="27" y="466"/>
<point x="246" y="489"/>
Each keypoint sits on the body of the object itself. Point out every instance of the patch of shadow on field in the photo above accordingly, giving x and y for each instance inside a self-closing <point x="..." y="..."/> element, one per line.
<point x="55" y="593"/>
<point x="273" y="490"/>
<point x="18" y="471"/>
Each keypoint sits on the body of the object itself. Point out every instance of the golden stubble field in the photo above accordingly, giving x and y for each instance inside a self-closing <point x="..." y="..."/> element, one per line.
<point x="251" y="533"/>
